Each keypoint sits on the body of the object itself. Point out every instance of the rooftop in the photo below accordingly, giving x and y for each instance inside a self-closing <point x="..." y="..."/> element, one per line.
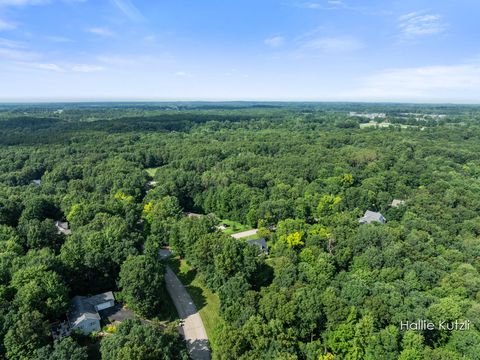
<point x="372" y="216"/>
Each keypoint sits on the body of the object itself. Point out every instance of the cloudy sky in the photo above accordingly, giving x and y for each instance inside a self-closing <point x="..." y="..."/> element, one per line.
<point x="353" y="50"/>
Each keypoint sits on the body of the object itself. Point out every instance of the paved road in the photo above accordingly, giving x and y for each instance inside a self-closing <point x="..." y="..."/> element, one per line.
<point x="192" y="329"/>
<point x="245" y="234"/>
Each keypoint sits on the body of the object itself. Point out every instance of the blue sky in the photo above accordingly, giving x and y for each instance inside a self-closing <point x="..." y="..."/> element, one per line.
<point x="352" y="50"/>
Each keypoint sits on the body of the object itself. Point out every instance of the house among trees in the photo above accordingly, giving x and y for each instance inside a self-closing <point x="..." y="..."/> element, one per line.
<point x="261" y="243"/>
<point x="83" y="312"/>
<point x="62" y="227"/>
<point x="222" y="227"/>
<point x="371" y="217"/>
<point x="192" y="215"/>
<point x="37" y="182"/>
<point x="397" y="203"/>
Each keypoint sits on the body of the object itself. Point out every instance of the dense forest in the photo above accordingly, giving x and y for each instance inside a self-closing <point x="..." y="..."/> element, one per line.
<point x="124" y="175"/>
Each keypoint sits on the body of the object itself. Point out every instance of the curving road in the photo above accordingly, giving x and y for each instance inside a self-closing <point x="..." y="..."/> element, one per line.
<point x="192" y="329"/>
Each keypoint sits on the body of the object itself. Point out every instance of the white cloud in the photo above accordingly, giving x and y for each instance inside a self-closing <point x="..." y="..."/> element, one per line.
<point x="23" y="2"/>
<point x="87" y="68"/>
<point x="58" y="39"/>
<point x="127" y="7"/>
<point x="7" y="25"/>
<point x="328" y="5"/>
<point x="332" y="44"/>
<point x="150" y="39"/>
<point x="183" y="74"/>
<point x="417" y="24"/>
<point x="428" y="82"/>
<point x="101" y="31"/>
<point x="11" y="43"/>
<point x="15" y="54"/>
<point x="116" y="60"/>
<point x="51" y="67"/>
<point x="275" y="41"/>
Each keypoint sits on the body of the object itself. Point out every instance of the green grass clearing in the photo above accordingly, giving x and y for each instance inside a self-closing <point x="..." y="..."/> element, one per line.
<point x="251" y="237"/>
<point x="152" y="171"/>
<point x="234" y="227"/>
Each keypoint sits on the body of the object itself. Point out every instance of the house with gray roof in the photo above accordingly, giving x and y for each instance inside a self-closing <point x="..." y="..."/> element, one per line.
<point x="62" y="227"/>
<point x="83" y="312"/>
<point x="260" y="243"/>
<point x="372" y="217"/>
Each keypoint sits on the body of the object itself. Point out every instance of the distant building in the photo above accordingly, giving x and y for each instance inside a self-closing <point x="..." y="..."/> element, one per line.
<point x="397" y="203"/>
<point x="371" y="217"/>
<point x="260" y="243"/>
<point x="83" y="312"/>
<point x="36" y="182"/>
<point x="192" y="215"/>
<point x="62" y="227"/>
<point x="371" y="116"/>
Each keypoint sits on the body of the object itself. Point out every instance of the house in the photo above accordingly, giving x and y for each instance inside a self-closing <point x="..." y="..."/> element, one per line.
<point x="397" y="203"/>
<point x="260" y="243"/>
<point x="83" y="312"/>
<point x="62" y="227"/>
<point x="222" y="227"/>
<point x="371" y="217"/>
<point x="37" y="182"/>
<point x="192" y="215"/>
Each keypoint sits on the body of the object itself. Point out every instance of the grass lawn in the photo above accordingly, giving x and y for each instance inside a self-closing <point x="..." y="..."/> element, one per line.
<point x="234" y="227"/>
<point x="251" y="237"/>
<point x="206" y="302"/>
<point x="151" y="171"/>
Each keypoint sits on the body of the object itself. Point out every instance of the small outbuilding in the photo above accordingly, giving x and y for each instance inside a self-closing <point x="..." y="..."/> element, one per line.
<point x="62" y="227"/>
<point x="371" y="217"/>
<point x="397" y="203"/>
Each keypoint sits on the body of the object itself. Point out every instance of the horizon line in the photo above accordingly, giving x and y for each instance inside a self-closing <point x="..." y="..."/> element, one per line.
<point x="80" y="100"/>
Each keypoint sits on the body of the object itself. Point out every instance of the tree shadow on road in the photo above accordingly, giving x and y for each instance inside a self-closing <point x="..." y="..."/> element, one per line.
<point x="187" y="276"/>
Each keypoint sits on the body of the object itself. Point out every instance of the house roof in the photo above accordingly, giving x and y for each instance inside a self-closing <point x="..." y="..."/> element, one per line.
<point x="261" y="243"/>
<point x="101" y="298"/>
<point x="62" y="227"/>
<point x="82" y="307"/>
<point x="397" y="202"/>
<point x="372" y="216"/>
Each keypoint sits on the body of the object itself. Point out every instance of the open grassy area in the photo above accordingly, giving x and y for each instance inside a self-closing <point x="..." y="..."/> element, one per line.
<point x="151" y="171"/>
<point x="234" y="227"/>
<point x="207" y="303"/>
